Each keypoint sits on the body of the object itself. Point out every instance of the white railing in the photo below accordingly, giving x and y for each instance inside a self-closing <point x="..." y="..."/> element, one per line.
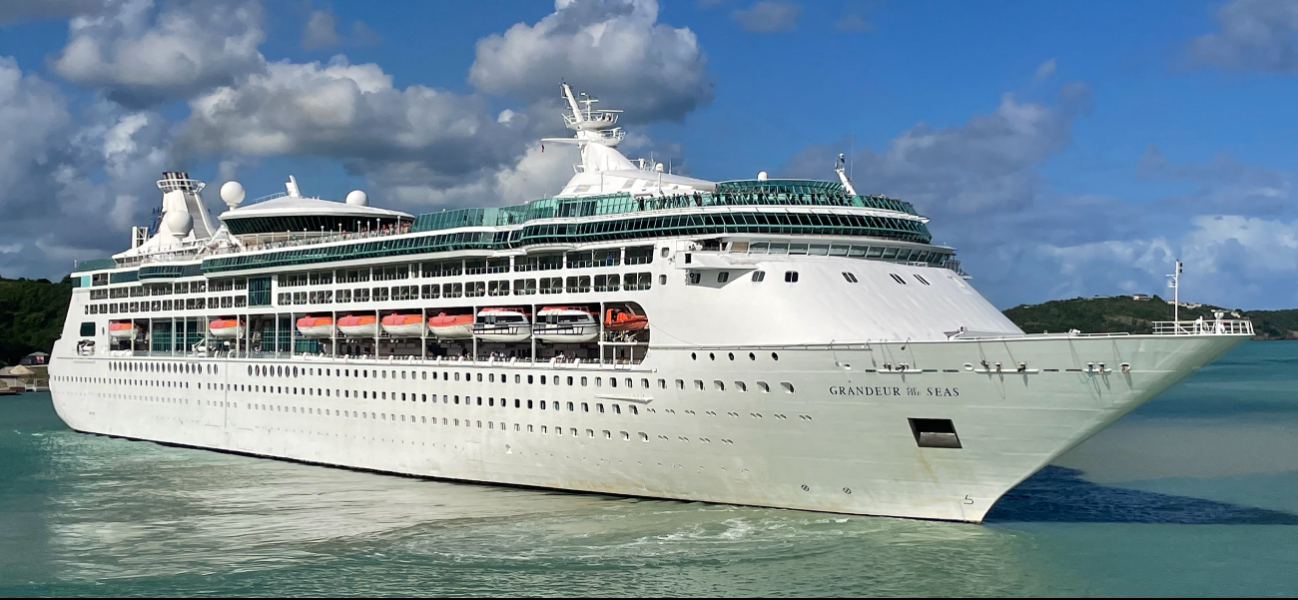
<point x="1202" y="327"/>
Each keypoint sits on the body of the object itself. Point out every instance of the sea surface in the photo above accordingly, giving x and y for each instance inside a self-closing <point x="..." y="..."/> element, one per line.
<point x="1194" y="494"/>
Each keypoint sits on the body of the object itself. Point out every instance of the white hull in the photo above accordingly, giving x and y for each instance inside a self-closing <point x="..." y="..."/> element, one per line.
<point x="828" y="435"/>
<point x="412" y="330"/>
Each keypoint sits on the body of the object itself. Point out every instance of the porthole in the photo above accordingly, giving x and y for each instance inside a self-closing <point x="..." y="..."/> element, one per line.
<point x="712" y="356"/>
<point x="694" y="356"/>
<point x="775" y="356"/>
<point x="752" y="356"/>
<point x="732" y="356"/>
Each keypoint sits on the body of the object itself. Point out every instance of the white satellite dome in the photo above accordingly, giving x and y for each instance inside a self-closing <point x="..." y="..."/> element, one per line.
<point x="358" y="198"/>
<point x="761" y="176"/>
<point x="232" y="193"/>
<point x="178" y="222"/>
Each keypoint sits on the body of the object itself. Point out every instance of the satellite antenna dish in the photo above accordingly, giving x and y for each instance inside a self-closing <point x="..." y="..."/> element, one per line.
<point x="357" y="198"/>
<point x="232" y="194"/>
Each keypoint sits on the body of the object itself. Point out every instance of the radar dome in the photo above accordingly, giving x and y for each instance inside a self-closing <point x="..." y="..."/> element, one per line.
<point x="232" y="193"/>
<point x="178" y="222"/>
<point x="358" y="198"/>
<point x="761" y="176"/>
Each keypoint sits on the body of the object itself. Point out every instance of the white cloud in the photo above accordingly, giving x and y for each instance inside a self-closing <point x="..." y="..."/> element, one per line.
<point x="72" y="185"/>
<point x="852" y="22"/>
<point x="1260" y="35"/>
<point x="139" y="56"/>
<point x="768" y="16"/>
<point x="321" y="30"/>
<point x="615" y="49"/>
<point x="988" y="163"/>
<point x="1046" y="69"/>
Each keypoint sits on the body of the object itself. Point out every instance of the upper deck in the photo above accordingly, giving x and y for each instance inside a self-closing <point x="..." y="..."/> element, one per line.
<point x="770" y="207"/>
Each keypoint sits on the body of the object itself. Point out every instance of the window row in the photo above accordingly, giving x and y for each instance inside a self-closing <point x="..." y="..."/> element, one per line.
<point x="112" y="308"/>
<point x="475" y="289"/>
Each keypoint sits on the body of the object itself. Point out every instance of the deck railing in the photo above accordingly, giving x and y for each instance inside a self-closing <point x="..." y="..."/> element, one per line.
<point x="1203" y="327"/>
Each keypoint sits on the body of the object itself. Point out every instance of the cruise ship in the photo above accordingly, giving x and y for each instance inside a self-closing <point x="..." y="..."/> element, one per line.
<point x="765" y="342"/>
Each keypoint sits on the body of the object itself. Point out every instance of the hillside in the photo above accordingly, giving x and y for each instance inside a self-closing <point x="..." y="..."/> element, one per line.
<point x="31" y="316"/>
<point x="1122" y="313"/>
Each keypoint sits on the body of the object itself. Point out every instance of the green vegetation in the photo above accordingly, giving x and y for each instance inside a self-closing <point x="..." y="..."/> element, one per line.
<point x="1122" y="313"/>
<point x="31" y="316"/>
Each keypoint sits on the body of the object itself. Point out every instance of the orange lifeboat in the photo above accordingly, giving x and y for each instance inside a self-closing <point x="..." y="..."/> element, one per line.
<point x="451" y="327"/>
<point x="225" y="329"/>
<point x="619" y="320"/>
<point x="316" y="327"/>
<point x="359" y="325"/>
<point x="122" y="330"/>
<point x="404" y="325"/>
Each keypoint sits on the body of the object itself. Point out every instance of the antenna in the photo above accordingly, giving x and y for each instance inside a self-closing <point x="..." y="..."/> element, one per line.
<point x="1175" y="283"/>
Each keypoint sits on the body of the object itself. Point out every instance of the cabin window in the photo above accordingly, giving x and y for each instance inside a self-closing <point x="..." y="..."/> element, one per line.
<point x="791" y="276"/>
<point x="897" y="278"/>
<point x="921" y="279"/>
<point x="723" y="276"/>
<point x="849" y="277"/>
<point x="695" y="278"/>
<point x="759" y="276"/>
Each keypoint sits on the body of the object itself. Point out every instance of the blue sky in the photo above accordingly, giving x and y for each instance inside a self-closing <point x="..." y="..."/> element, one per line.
<point x="1063" y="148"/>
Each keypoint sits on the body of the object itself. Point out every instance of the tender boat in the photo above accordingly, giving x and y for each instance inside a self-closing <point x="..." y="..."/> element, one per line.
<point x="225" y="329"/>
<point x="502" y="325"/>
<point x="616" y="319"/>
<point x="565" y="325"/>
<point x="122" y="330"/>
<point x="316" y="327"/>
<point x="404" y="325"/>
<point x="451" y="327"/>
<point x="359" y="325"/>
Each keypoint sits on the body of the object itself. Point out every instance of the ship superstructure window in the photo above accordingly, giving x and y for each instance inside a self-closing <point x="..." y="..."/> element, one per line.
<point x="849" y="277"/>
<point x="897" y="278"/>
<point x="921" y="279"/>
<point x="695" y="278"/>
<point x="723" y="276"/>
<point x="759" y="276"/>
<point x="791" y="276"/>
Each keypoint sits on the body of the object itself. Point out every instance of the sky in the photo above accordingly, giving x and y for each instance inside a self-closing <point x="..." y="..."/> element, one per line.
<point x="1063" y="148"/>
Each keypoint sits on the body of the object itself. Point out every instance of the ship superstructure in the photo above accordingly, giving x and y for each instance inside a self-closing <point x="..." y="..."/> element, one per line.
<point x="769" y="342"/>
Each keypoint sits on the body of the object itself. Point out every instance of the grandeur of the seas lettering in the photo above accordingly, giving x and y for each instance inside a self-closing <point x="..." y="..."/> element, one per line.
<point x="884" y="390"/>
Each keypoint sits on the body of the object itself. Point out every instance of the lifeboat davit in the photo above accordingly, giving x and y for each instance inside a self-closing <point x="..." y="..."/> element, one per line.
<point x="621" y="320"/>
<point x="225" y="329"/>
<point x="405" y="326"/>
<point x="565" y="325"/>
<point x="451" y="327"/>
<point x="504" y="325"/>
<point x="122" y="330"/>
<point x="316" y="327"/>
<point x="359" y="325"/>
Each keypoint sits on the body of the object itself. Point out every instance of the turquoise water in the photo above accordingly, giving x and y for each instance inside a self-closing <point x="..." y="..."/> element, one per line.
<point x="1194" y="494"/>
